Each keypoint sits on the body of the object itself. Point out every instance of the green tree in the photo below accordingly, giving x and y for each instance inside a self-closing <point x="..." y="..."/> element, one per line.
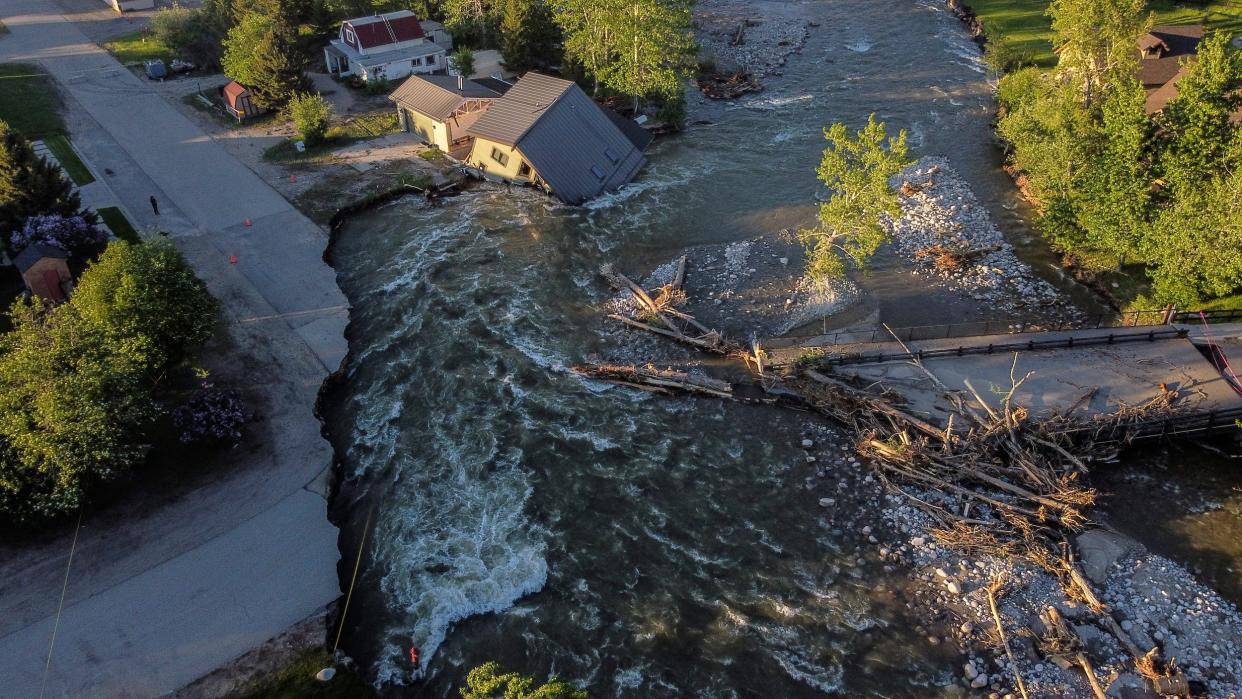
<point x="1195" y="250"/>
<point x="1095" y="41"/>
<point x="191" y="32"/>
<point x="239" y="59"/>
<point x="1114" y="201"/>
<point x="147" y="304"/>
<point x="310" y="114"/>
<point x="472" y="20"/>
<point x="1197" y="122"/>
<point x="856" y="169"/>
<point x="263" y="53"/>
<point x="71" y="412"/>
<point x="528" y="36"/>
<point x="32" y="186"/>
<point x="462" y="61"/>
<point x="590" y="35"/>
<point x="656" y="49"/>
<point x="488" y="682"/>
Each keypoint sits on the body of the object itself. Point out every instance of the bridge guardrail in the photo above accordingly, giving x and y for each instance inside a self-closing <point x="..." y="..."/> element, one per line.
<point x="991" y="348"/>
<point x="1129" y="319"/>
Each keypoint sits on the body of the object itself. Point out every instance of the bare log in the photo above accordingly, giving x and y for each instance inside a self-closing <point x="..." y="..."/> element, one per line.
<point x="1000" y="631"/>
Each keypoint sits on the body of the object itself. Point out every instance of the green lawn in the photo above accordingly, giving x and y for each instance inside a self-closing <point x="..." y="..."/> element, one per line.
<point x="69" y="160"/>
<point x="341" y="134"/>
<point x="137" y="47"/>
<point x="118" y="224"/>
<point x="28" y="101"/>
<point x="1024" y="24"/>
<point x="3" y="29"/>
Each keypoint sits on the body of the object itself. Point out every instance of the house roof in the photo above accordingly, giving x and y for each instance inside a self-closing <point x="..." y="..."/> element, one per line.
<point x="510" y="118"/>
<point x="388" y="28"/>
<point x="438" y="96"/>
<point x="1159" y="98"/>
<point x="233" y="91"/>
<point x="33" y="253"/>
<point x="378" y="59"/>
<point x="569" y="140"/>
<point x="1177" y="41"/>
<point x="495" y="84"/>
<point x="640" y="137"/>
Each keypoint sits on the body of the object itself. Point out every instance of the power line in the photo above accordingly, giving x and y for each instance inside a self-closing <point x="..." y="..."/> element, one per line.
<point x="61" y="607"/>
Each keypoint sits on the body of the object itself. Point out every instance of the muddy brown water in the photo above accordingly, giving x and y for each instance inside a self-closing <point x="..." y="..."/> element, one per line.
<point x="638" y="546"/>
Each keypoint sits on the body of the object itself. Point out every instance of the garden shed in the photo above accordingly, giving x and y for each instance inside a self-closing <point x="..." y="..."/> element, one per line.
<point x="238" y="101"/>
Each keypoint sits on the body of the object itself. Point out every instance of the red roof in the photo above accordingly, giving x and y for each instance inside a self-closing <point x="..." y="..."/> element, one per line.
<point x="375" y="32"/>
<point x="232" y="92"/>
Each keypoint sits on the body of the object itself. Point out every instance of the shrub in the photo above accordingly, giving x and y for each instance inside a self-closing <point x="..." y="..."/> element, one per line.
<point x="462" y="61"/>
<point x="211" y="416"/>
<point x="72" y="234"/>
<point x="189" y="32"/>
<point x="310" y="114"/>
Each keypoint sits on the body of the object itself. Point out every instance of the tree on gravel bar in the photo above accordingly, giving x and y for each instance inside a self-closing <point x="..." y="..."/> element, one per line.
<point x="856" y="170"/>
<point x="488" y="682"/>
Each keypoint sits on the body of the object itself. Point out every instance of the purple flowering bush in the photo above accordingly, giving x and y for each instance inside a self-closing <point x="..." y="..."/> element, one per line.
<point x="69" y="233"/>
<point x="212" y="415"/>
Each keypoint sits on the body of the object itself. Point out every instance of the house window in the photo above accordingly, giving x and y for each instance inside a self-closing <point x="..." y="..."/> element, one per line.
<point x="349" y="37"/>
<point x="431" y="60"/>
<point x="597" y="171"/>
<point x="612" y="155"/>
<point x="416" y="61"/>
<point x="524" y="169"/>
<point x="500" y="157"/>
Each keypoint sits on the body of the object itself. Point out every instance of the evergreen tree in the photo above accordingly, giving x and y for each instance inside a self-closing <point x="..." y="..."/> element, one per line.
<point x="528" y="36"/>
<point x="263" y="53"/>
<point x="856" y="169"/>
<point x="32" y="186"/>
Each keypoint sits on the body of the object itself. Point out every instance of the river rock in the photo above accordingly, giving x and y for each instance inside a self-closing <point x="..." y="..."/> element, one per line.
<point x="807" y="444"/>
<point x="1129" y="685"/>
<point x="1100" y="550"/>
<point x="970" y="671"/>
<point x="979" y="682"/>
<point x="953" y="587"/>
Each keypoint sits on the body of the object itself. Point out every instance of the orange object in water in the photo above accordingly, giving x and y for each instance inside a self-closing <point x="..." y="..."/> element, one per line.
<point x="247" y="223"/>
<point x="293" y="178"/>
<point x="414" y="654"/>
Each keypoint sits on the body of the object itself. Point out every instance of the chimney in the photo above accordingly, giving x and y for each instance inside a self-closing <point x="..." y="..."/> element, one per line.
<point x="461" y="82"/>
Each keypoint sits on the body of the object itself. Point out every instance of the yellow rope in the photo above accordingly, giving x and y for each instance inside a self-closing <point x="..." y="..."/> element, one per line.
<point x="61" y="607"/>
<point x="353" y="580"/>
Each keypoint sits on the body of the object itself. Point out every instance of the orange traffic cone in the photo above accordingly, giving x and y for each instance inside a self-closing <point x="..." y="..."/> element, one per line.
<point x="232" y="259"/>
<point x="246" y="223"/>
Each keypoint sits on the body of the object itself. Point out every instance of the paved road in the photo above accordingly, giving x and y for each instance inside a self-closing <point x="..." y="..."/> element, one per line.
<point x="158" y="598"/>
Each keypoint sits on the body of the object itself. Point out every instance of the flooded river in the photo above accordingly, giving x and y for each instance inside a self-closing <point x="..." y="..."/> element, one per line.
<point x="645" y="547"/>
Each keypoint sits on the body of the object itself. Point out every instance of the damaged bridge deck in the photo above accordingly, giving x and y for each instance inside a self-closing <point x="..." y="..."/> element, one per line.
<point x="1088" y="372"/>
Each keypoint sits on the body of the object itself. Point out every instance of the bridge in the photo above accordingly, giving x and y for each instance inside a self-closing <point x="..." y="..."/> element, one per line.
<point x="1084" y="372"/>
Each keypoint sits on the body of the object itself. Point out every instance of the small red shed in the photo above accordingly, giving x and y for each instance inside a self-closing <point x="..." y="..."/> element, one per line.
<point x="45" y="269"/>
<point x="238" y="102"/>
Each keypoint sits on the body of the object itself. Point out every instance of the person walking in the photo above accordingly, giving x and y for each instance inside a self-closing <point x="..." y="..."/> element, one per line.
<point x="155" y="205"/>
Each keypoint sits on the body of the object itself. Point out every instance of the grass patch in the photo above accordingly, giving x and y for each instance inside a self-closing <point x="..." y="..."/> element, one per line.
<point x="297" y="681"/>
<point x="432" y="154"/>
<point x="3" y="29"/>
<point x="1028" y="30"/>
<point x="69" y="160"/>
<point x="118" y="224"/>
<point x="343" y="133"/>
<point x="29" y="103"/>
<point x="137" y="47"/>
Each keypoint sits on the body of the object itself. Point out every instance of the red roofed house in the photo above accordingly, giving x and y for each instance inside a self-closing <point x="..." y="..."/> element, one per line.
<point x="390" y="46"/>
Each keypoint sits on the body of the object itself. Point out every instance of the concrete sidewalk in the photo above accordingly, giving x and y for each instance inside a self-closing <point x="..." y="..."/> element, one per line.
<point x="159" y="597"/>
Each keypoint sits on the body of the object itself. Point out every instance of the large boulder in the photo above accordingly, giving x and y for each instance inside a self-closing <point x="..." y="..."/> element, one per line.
<point x="1100" y="550"/>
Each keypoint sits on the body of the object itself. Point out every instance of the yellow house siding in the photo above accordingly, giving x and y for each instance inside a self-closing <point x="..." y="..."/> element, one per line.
<point x="430" y="130"/>
<point x="481" y="158"/>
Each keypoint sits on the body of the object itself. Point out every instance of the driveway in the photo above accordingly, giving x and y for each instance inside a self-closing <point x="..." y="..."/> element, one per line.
<point x="161" y="596"/>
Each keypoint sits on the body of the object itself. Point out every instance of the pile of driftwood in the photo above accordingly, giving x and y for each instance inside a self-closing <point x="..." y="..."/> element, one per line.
<point x="726" y="86"/>
<point x="950" y="258"/>
<point x="996" y="480"/>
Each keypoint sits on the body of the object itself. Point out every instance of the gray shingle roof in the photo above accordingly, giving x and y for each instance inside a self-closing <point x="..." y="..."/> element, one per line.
<point x="509" y="118"/>
<point x="33" y="253"/>
<point x="438" y="96"/>
<point x="570" y="141"/>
